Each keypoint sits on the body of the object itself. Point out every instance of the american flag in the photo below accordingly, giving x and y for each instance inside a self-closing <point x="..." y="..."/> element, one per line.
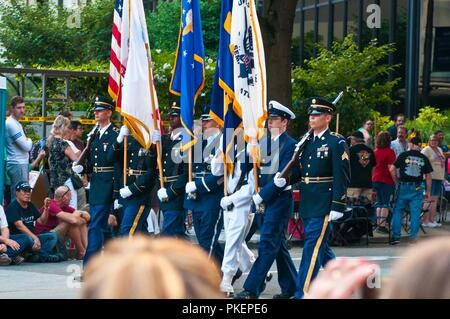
<point x="119" y="53"/>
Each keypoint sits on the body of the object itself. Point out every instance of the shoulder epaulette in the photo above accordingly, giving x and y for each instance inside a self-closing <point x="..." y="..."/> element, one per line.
<point x="116" y="129"/>
<point x="337" y="135"/>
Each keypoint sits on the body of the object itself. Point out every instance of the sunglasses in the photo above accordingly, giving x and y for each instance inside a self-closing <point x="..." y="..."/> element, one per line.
<point x="68" y="190"/>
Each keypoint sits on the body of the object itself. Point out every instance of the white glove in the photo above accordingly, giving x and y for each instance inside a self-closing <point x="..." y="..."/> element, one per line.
<point x="162" y="194"/>
<point x="279" y="182"/>
<point x="77" y="168"/>
<point x="225" y="202"/>
<point x="117" y="205"/>
<point x="124" y="131"/>
<point x="257" y="199"/>
<point x="190" y="187"/>
<point x="156" y="137"/>
<point x="334" y="215"/>
<point x="125" y="192"/>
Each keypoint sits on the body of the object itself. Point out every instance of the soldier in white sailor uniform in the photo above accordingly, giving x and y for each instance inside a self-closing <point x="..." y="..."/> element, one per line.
<point x="237" y="217"/>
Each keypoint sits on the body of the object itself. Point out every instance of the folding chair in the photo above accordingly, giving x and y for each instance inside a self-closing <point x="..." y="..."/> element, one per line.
<point x="295" y="223"/>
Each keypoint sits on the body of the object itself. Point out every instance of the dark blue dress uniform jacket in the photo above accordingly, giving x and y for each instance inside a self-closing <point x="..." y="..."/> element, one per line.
<point x="209" y="187"/>
<point x="175" y="173"/>
<point x="104" y="169"/>
<point x="273" y="160"/>
<point x="324" y="175"/>
<point x="141" y="171"/>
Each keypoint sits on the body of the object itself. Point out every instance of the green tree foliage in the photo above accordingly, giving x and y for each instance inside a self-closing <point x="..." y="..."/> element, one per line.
<point x="429" y="120"/>
<point x="164" y="25"/>
<point x="45" y="34"/>
<point x="361" y="75"/>
<point x="36" y="34"/>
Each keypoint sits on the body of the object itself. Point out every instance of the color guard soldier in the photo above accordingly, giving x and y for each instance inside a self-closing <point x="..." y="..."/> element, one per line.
<point x="324" y="177"/>
<point x="141" y="175"/>
<point x="278" y="202"/>
<point x="208" y="189"/>
<point x="175" y="170"/>
<point x="104" y="169"/>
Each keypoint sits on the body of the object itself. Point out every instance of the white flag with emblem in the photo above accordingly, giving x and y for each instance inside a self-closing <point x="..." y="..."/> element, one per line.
<point x="249" y="69"/>
<point x="138" y="91"/>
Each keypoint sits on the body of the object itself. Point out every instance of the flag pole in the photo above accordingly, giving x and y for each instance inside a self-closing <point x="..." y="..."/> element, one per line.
<point x="125" y="159"/>
<point x="155" y="122"/>
<point x="337" y="123"/>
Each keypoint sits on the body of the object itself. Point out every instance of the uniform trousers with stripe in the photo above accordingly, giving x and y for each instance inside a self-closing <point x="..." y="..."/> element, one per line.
<point x="237" y="255"/>
<point x="134" y="220"/>
<point x="316" y="252"/>
<point x="207" y="225"/>
<point x="272" y="247"/>
<point x="97" y="226"/>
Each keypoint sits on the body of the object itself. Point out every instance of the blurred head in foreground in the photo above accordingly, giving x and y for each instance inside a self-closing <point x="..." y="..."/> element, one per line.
<point x="422" y="273"/>
<point x="142" y="268"/>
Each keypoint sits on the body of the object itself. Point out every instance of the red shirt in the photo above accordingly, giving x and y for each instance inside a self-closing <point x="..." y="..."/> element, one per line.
<point x="384" y="157"/>
<point x="52" y="220"/>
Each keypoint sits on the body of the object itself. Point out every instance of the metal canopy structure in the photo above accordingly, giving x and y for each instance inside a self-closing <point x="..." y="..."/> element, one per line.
<point x="45" y="75"/>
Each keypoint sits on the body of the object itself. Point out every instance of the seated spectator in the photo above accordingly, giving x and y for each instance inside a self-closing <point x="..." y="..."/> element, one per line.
<point x="413" y="167"/>
<point x="11" y="247"/>
<point x="362" y="161"/>
<point x="400" y="145"/>
<point x="383" y="180"/>
<point x="21" y="215"/>
<point x="141" y="268"/>
<point x="66" y="221"/>
<point x="437" y="159"/>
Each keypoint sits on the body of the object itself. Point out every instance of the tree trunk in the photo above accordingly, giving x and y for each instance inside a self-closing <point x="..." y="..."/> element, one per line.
<point x="277" y="23"/>
<point x="426" y="76"/>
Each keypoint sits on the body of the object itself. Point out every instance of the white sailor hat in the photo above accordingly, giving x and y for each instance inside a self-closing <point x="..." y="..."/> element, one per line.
<point x="277" y="109"/>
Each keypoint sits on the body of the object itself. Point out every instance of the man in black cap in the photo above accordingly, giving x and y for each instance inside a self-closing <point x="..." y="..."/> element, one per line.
<point x="22" y="215"/>
<point x="325" y="174"/>
<point x="175" y="170"/>
<point x="362" y="161"/>
<point x="105" y="173"/>
<point x="208" y="189"/>
<point x="278" y="203"/>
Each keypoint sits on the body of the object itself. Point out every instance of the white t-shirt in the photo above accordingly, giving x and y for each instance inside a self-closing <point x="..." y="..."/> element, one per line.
<point x="17" y="144"/>
<point x="3" y="220"/>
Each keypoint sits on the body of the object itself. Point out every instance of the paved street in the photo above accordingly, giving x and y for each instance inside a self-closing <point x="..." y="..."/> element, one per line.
<point x="56" y="280"/>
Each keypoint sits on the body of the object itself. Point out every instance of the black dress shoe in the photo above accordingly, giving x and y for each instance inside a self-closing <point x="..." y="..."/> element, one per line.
<point x="236" y="277"/>
<point x="269" y="277"/>
<point x="283" y="296"/>
<point x="245" y="295"/>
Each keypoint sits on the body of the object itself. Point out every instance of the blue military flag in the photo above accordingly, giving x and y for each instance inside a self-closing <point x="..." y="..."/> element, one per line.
<point x="189" y="74"/>
<point x="223" y="109"/>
